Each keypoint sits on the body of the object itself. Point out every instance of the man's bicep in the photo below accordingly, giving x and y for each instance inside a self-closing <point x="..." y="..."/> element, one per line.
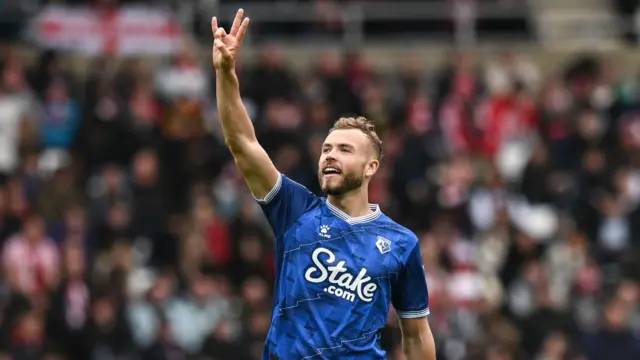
<point x="257" y="168"/>
<point x="410" y="295"/>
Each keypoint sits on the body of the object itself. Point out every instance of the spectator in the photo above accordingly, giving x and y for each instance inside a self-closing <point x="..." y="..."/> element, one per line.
<point x="197" y="313"/>
<point x="61" y="192"/>
<point x="164" y="348"/>
<point x="68" y="315"/>
<point x="18" y="107"/>
<point x="614" y="337"/>
<point x="30" y="259"/>
<point x="61" y="117"/>
<point x="148" y="201"/>
<point x="29" y="339"/>
<point x="110" y="332"/>
<point x="9" y="223"/>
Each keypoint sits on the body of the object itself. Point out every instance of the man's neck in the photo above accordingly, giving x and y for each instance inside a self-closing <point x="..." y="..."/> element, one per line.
<point x="354" y="204"/>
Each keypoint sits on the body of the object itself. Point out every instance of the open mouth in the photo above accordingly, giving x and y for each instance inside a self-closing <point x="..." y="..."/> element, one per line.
<point x="329" y="170"/>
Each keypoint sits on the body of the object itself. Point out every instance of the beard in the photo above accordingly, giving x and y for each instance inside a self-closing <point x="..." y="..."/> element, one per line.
<point x="349" y="182"/>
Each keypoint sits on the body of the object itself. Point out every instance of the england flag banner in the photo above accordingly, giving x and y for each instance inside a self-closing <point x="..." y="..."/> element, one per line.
<point x="121" y="31"/>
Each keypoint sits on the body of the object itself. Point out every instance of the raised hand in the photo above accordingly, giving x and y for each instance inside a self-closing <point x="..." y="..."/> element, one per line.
<point x="226" y="46"/>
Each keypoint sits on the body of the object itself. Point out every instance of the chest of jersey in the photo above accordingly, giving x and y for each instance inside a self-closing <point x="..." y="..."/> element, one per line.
<point x="337" y="261"/>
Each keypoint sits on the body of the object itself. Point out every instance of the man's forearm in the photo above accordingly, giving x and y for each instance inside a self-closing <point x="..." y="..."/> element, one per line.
<point x="419" y="348"/>
<point x="236" y="123"/>
<point x="250" y="158"/>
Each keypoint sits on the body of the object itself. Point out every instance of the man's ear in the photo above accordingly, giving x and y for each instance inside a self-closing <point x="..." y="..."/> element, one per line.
<point x="372" y="168"/>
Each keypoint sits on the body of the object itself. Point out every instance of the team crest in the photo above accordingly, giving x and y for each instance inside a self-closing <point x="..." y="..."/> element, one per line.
<point x="384" y="245"/>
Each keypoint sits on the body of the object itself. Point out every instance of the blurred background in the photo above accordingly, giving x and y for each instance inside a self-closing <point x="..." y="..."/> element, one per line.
<point x="512" y="134"/>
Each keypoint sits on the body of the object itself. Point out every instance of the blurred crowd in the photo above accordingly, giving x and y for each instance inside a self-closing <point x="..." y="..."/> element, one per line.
<point x="325" y="20"/>
<point x="127" y="233"/>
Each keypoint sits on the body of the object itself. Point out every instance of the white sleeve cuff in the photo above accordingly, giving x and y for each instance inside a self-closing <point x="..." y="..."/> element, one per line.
<point x="272" y="193"/>
<point x="413" y="314"/>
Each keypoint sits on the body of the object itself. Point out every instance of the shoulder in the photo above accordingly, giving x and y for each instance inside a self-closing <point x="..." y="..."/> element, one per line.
<point x="14" y="248"/>
<point x="290" y="188"/>
<point x="285" y="181"/>
<point x="14" y="242"/>
<point x="400" y="235"/>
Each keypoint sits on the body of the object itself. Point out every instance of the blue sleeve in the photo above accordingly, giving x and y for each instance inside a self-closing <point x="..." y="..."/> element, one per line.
<point x="285" y="203"/>
<point x="410" y="296"/>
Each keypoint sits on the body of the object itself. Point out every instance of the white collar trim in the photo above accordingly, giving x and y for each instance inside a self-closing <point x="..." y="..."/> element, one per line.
<point x="359" y="219"/>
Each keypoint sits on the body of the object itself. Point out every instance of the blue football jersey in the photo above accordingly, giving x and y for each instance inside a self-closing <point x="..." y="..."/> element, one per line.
<point x="336" y="277"/>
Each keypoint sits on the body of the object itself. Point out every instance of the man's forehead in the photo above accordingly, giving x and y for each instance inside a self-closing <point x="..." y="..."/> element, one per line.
<point x="353" y="137"/>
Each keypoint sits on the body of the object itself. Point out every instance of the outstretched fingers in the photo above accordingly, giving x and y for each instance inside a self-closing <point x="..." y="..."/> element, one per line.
<point x="238" y="29"/>
<point x="243" y="30"/>
<point x="237" y="23"/>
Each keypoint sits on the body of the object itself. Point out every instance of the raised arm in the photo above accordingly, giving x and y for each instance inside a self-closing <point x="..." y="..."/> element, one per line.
<point x="250" y="158"/>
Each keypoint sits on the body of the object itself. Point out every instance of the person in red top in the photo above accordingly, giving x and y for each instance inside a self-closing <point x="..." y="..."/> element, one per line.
<point x="503" y="117"/>
<point x="30" y="259"/>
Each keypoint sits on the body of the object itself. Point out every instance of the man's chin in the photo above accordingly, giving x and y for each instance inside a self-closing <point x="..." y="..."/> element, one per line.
<point x="333" y="190"/>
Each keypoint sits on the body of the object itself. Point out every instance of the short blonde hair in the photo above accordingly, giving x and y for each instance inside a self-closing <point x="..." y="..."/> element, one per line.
<point x="363" y="124"/>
